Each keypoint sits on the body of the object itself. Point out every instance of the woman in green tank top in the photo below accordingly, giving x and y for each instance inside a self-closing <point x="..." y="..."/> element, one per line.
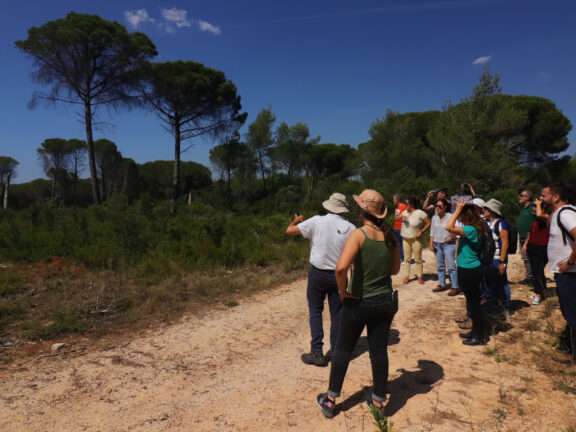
<point x="368" y="299"/>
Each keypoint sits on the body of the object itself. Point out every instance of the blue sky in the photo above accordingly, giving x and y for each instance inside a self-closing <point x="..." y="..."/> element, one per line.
<point x="336" y="65"/>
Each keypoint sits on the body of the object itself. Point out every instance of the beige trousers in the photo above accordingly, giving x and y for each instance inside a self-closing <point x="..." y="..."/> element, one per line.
<point x="412" y="250"/>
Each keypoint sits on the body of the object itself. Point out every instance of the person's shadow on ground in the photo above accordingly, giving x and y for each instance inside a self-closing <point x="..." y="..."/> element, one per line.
<point x="362" y="344"/>
<point x="402" y="388"/>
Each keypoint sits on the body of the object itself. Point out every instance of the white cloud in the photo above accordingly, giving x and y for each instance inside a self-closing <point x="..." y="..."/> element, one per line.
<point x="137" y="17"/>
<point x="178" y="17"/>
<point x="205" y="26"/>
<point x="482" y="60"/>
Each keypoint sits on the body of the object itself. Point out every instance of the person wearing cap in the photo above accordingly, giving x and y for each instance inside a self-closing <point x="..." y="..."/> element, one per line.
<point x="496" y="276"/>
<point x="327" y="235"/>
<point x="373" y="253"/>
<point x="470" y="271"/>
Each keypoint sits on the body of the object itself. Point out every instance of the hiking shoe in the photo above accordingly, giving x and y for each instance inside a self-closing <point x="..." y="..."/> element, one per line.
<point x="466" y="325"/>
<point x="439" y="288"/>
<point x="536" y="299"/>
<point x="421" y="281"/>
<point x="327" y="405"/>
<point x="454" y="292"/>
<point x="474" y="341"/>
<point x="314" y="358"/>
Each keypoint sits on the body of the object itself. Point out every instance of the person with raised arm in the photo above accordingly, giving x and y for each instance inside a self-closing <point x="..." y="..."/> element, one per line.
<point x="470" y="270"/>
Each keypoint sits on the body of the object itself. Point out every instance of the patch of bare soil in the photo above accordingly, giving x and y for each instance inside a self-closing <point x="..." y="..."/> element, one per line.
<point x="238" y="369"/>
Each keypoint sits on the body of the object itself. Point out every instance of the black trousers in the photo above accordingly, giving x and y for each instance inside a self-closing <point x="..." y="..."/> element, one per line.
<point x="538" y="258"/>
<point x="470" y="281"/>
<point x="376" y="314"/>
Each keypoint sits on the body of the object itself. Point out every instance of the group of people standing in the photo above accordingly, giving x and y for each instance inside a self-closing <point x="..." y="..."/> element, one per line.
<point x="353" y="267"/>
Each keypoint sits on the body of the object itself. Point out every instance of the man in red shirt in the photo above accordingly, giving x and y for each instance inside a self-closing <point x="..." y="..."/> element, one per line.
<point x="399" y="207"/>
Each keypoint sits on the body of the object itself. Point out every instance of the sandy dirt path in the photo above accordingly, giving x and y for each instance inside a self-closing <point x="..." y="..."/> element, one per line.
<point x="239" y="369"/>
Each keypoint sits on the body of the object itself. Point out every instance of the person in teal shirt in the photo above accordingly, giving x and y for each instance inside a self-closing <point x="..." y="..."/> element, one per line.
<point x="470" y="270"/>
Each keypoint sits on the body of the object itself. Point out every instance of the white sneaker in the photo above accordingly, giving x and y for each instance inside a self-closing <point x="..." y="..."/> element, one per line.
<point x="536" y="299"/>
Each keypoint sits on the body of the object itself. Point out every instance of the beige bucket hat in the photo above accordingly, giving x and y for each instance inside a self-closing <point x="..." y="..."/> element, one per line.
<point x="495" y="206"/>
<point x="372" y="202"/>
<point x="336" y="203"/>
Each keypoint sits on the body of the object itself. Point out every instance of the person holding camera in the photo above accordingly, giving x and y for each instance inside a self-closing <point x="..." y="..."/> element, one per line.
<point x="443" y="244"/>
<point x="535" y="248"/>
<point x="369" y="300"/>
<point x="327" y="235"/>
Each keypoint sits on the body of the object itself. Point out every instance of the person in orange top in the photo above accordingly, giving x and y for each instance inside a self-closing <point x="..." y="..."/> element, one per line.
<point x="399" y="207"/>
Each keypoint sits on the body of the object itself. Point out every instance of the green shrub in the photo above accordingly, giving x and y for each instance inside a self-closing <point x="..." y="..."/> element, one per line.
<point x="10" y="284"/>
<point x="147" y="238"/>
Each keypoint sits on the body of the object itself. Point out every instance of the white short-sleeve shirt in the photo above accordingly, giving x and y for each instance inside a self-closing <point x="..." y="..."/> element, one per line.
<point x="557" y="250"/>
<point x="412" y="222"/>
<point x="327" y="235"/>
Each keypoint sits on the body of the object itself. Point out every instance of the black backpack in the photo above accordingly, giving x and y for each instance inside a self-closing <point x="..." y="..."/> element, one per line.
<point x="565" y="233"/>
<point x="487" y="246"/>
<point x="512" y="236"/>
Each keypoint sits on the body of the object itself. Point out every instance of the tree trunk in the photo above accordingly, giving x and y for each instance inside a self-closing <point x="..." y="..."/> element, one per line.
<point x="229" y="180"/>
<point x="176" y="173"/>
<point x="262" y="169"/>
<point x="91" y="156"/>
<point x="6" y="188"/>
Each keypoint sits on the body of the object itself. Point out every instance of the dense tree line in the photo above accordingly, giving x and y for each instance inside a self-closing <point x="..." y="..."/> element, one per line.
<point x="493" y="140"/>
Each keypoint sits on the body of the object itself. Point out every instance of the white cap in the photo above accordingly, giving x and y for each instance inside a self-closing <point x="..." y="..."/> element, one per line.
<point x="479" y="202"/>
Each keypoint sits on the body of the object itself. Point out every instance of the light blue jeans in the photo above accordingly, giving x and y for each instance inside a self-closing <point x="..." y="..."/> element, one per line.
<point x="445" y="262"/>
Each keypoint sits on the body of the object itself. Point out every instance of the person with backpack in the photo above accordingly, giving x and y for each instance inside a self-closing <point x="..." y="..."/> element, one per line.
<point x="498" y="289"/>
<point x="562" y="257"/>
<point x="535" y="248"/>
<point x="473" y="251"/>
<point x="327" y="235"/>
<point x="369" y="300"/>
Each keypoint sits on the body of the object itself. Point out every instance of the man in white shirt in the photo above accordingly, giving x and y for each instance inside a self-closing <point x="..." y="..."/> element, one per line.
<point x="327" y="235"/>
<point x="562" y="254"/>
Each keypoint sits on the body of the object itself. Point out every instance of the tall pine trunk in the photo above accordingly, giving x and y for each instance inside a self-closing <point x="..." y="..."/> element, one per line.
<point x="91" y="156"/>
<point x="176" y="172"/>
<point x="5" y="191"/>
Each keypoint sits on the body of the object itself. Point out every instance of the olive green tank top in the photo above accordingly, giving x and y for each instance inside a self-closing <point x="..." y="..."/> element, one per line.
<point x="371" y="275"/>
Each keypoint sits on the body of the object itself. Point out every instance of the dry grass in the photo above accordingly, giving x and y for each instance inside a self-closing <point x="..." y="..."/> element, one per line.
<point x="47" y="301"/>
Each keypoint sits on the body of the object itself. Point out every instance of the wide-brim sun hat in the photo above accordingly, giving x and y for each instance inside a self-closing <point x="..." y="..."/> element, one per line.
<point x="336" y="204"/>
<point x="372" y="202"/>
<point x="495" y="206"/>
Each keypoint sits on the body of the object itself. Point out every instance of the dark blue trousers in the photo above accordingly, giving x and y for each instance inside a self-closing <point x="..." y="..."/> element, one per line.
<point x="566" y="289"/>
<point x="322" y="285"/>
